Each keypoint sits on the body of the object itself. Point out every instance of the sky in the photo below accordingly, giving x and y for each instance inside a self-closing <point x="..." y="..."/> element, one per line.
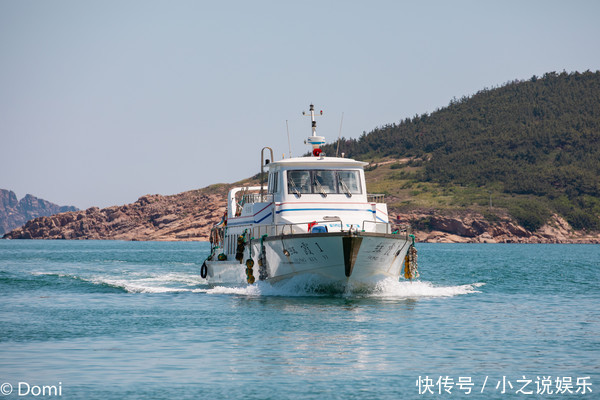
<point x="102" y="102"/>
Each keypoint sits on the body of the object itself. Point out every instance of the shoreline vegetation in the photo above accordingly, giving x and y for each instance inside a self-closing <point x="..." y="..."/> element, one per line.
<point x="519" y="163"/>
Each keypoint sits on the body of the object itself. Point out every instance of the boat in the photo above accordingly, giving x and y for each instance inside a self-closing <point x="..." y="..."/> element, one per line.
<point x="312" y="217"/>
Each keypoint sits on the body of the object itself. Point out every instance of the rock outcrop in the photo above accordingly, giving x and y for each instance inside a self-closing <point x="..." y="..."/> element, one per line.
<point x="14" y="213"/>
<point x="471" y="227"/>
<point x="185" y="216"/>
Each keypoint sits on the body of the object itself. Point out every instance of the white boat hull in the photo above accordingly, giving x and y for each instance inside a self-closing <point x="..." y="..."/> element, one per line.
<point x="337" y="258"/>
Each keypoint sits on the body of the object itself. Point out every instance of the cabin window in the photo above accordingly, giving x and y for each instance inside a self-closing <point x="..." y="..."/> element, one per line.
<point x="324" y="182"/>
<point x="273" y="178"/>
<point x="299" y="182"/>
<point x="349" y="181"/>
<point x="270" y="183"/>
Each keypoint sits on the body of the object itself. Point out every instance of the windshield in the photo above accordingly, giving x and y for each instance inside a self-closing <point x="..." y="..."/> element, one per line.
<point x="324" y="182"/>
<point x="299" y="182"/>
<point x="349" y="182"/>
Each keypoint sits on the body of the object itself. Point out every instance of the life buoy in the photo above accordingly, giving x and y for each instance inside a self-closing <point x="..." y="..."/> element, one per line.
<point x="410" y="263"/>
<point x="250" y="275"/>
<point x="250" y="271"/>
<point x="262" y="260"/>
<point x="203" y="270"/>
<point x="241" y="245"/>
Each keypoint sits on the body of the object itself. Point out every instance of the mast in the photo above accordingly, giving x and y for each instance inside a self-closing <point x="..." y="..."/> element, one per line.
<point x="314" y="140"/>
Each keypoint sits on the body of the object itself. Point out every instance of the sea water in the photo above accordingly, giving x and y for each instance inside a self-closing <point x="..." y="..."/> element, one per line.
<point x="134" y="320"/>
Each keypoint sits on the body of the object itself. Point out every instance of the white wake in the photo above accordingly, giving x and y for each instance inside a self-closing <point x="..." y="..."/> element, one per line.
<point x="304" y="285"/>
<point x="311" y="286"/>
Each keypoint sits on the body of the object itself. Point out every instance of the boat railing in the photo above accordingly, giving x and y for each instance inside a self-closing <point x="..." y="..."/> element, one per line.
<point x="379" y="227"/>
<point x="217" y="233"/>
<point x="375" y="198"/>
<point x="401" y="227"/>
<point x="302" y="228"/>
<point x="256" y="198"/>
<point x="283" y="229"/>
<point x="217" y="237"/>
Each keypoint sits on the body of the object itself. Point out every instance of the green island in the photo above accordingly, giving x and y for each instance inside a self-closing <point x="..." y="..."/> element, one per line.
<point x="527" y="150"/>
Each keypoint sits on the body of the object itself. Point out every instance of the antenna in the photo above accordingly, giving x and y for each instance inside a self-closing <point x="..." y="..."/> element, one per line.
<point x="314" y="140"/>
<point x="339" y="136"/>
<point x="288" y="132"/>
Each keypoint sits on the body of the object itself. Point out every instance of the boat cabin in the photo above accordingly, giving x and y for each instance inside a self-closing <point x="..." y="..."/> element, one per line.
<point x="303" y="195"/>
<point x="308" y="194"/>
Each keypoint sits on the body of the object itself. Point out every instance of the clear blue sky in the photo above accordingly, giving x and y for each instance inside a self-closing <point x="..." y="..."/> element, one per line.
<point x="102" y="102"/>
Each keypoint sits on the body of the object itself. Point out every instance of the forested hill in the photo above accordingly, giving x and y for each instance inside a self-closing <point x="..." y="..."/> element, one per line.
<point x="538" y="138"/>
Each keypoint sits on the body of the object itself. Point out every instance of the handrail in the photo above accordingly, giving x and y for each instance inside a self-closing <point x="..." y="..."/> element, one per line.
<point x="262" y="167"/>
<point x="256" y="198"/>
<point x="258" y="231"/>
<point x="375" y="198"/>
<point x="377" y="224"/>
<point x="280" y="229"/>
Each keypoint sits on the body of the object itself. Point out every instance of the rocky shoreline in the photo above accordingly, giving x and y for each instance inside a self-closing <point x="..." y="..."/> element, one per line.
<point x="190" y="215"/>
<point x="471" y="227"/>
<point x="185" y="216"/>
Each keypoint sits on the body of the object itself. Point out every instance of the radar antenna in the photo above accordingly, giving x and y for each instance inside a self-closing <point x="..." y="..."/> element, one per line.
<point x="314" y="140"/>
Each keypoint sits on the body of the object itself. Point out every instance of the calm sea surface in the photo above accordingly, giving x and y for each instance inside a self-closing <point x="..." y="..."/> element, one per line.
<point x="134" y="320"/>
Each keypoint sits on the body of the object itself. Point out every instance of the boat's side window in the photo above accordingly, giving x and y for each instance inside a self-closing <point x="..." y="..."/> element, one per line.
<point x="299" y="181"/>
<point x="349" y="181"/>
<point x="324" y="181"/>
<point x="270" y="184"/>
<point x="273" y="177"/>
